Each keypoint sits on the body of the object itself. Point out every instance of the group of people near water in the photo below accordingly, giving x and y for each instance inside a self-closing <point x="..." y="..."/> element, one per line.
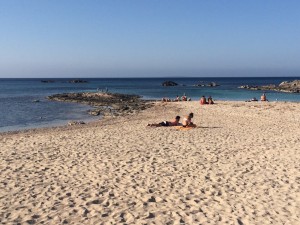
<point x="203" y="100"/>
<point x="187" y="122"/>
<point x="177" y="99"/>
<point x="209" y="100"/>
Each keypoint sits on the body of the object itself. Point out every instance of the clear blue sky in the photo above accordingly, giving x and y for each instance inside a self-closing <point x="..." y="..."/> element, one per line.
<point x="94" y="38"/>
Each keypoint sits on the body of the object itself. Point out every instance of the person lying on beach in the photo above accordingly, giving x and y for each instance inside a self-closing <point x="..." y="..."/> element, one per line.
<point x="252" y="100"/>
<point x="187" y="121"/>
<point x="175" y="122"/>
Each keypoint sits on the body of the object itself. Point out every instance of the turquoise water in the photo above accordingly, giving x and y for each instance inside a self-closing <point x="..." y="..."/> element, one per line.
<point x="18" y="109"/>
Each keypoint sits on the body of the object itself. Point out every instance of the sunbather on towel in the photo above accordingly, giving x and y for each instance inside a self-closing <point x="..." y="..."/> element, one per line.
<point x="187" y="121"/>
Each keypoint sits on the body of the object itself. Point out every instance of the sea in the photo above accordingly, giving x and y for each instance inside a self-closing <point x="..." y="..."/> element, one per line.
<point x="24" y="104"/>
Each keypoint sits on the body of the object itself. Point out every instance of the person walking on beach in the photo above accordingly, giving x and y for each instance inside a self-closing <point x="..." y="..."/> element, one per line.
<point x="175" y="122"/>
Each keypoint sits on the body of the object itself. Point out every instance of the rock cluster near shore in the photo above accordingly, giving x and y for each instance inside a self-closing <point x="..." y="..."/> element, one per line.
<point x="211" y="84"/>
<point x="107" y="104"/>
<point x="285" y="86"/>
<point x="72" y="123"/>
<point x="199" y="84"/>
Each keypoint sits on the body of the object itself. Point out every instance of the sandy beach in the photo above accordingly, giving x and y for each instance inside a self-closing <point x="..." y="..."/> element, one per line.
<point x="241" y="165"/>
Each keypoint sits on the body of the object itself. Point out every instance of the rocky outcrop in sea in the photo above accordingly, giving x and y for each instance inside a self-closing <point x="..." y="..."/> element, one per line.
<point x="211" y="84"/>
<point x="77" y="81"/>
<point x="107" y="104"/>
<point x="285" y="86"/>
<point x="169" y="83"/>
<point x="47" y="81"/>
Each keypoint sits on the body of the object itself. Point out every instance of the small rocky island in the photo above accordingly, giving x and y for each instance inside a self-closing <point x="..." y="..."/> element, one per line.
<point x="77" y="81"/>
<point x="47" y="81"/>
<point x="107" y="104"/>
<point x="285" y="86"/>
<point x="210" y="84"/>
<point x="169" y="83"/>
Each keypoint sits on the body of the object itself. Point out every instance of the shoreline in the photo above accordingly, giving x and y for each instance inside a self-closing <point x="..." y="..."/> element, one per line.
<point x="95" y="119"/>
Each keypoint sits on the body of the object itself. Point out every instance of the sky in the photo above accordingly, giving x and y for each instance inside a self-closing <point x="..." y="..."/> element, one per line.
<point x="149" y="38"/>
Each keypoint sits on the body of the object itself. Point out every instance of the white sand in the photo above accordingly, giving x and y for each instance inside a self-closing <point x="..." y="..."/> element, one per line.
<point x="241" y="165"/>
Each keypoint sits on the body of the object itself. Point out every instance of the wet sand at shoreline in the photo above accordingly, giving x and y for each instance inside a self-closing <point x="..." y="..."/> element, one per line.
<point x="239" y="166"/>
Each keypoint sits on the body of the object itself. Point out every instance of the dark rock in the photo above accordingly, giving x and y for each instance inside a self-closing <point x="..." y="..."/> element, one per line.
<point x="86" y="211"/>
<point x="240" y="222"/>
<point x="152" y="199"/>
<point x="200" y="85"/>
<point x="31" y="221"/>
<point x="211" y="84"/>
<point x="47" y="81"/>
<point x="77" y="81"/>
<point x="251" y="87"/>
<point x="125" y="108"/>
<point x="97" y="201"/>
<point x="151" y="215"/>
<point x="36" y="216"/>
<point x="169" y="83"/>
<point x="95" y="112"/>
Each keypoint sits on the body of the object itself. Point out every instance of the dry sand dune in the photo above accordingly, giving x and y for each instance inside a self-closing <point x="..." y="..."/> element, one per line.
<point x="241" y="165"/>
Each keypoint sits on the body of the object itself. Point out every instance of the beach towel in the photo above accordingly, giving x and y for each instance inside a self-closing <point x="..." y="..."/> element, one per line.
<point x="184" y="128"/>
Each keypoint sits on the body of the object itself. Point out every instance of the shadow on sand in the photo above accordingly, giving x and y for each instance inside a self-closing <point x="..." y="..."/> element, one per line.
<point x="208" y="127"/>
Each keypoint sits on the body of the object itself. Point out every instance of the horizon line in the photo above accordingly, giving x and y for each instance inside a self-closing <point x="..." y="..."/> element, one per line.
<point x="129" y="77"/>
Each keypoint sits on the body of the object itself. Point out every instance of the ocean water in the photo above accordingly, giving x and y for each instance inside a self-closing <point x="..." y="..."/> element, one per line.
<point x="18" y="109"/>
